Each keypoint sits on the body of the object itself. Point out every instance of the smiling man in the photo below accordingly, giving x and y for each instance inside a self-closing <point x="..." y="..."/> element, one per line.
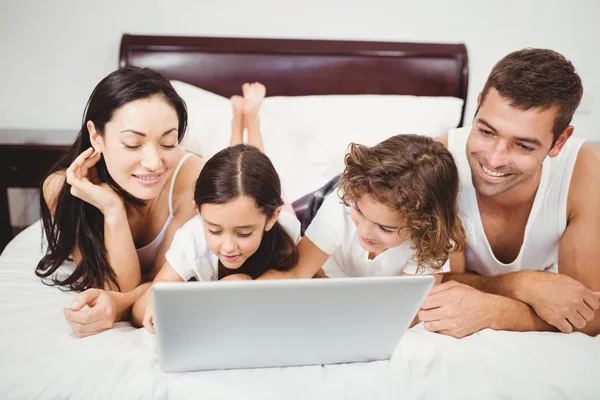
<point x="530" y="205"/>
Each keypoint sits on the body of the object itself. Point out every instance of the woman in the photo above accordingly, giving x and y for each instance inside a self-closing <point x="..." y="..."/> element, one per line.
<point x="114" y="201"/>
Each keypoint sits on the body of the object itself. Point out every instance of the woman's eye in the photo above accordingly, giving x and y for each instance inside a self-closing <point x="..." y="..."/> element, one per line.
<point x="244" y="235"/>
<point x="214" y="232"/>
<point x="129" y="147"/>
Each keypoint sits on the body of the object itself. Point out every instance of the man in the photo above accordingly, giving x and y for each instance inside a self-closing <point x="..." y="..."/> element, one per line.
<point x="530" y="205"/>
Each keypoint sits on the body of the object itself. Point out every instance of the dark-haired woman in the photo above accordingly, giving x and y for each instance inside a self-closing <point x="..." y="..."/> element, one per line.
<point x="112" y="204"/>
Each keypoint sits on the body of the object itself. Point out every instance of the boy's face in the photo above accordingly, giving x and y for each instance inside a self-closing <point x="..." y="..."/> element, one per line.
<point x="379" y="227"/>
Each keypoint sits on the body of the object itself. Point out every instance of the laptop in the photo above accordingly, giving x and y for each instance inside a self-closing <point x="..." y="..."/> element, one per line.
<point x="277" y="323"/>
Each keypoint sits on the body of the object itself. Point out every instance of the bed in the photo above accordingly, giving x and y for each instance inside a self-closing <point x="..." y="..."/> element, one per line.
<point x="42" y="359"/>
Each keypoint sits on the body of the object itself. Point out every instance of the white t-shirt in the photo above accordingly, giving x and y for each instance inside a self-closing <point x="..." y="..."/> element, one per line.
<point x="189" y="254"/>
<point x="333" y="231"/>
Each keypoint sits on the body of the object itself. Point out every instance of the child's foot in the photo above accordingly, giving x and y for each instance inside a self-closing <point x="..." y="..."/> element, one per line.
<point x="237" y="103"/>
<point x="254" y="93"/>
<point x="237" y="122"/>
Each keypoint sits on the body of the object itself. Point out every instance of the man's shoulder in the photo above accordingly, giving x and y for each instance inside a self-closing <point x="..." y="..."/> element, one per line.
<point x="443" y="140"/>
<point x="585" y="180"/>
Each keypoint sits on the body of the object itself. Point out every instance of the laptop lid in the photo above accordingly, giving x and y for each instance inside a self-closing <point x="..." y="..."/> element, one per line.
<point x="274" y="323"/>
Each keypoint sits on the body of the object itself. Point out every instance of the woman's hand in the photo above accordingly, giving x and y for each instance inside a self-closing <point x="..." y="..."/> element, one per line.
<point x="103" y="310"/>
<point x="83" y="178"/>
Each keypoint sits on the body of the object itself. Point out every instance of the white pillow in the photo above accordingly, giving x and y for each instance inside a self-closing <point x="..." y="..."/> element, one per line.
<point x="306" y="137"/>
<point x="209" y="120"/>
<point x="209" y="131"/>
<point x="332" y="122"/>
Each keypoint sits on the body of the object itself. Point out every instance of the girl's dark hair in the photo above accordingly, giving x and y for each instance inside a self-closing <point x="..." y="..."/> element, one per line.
<point x="244" y="170"/>
<point x="417" y="177"/>
<point x="75" y="222"/>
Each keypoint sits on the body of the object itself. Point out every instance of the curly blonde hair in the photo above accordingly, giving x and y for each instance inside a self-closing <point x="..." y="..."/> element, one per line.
<point x="417" y="177"/>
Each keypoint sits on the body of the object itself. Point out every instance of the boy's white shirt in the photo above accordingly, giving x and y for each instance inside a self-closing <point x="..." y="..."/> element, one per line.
<point x="189" y="254"/>
<point x="333" y="231"/>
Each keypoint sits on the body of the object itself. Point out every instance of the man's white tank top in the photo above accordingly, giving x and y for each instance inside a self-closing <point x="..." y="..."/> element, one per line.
<point x="547" y="219"/>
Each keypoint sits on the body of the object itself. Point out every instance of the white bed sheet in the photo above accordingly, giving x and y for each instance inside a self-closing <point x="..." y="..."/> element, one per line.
<point x="40" y="358"/>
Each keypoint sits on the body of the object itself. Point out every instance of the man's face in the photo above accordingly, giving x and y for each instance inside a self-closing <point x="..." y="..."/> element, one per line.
<point x="506" y="146"/>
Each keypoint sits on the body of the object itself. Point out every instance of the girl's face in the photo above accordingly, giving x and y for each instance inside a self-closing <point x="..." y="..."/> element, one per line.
<point x="379" y="227"/>
<point x="235" y="229"/>
<point x="139" y="145"/>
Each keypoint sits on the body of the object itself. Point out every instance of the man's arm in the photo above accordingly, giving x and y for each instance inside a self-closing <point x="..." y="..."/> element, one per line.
<point x="459" y="310"/>
<point x="579" y="254"/>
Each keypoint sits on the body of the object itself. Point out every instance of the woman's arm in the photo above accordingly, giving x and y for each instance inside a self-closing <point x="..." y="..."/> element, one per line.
<point x="120" y="248"/>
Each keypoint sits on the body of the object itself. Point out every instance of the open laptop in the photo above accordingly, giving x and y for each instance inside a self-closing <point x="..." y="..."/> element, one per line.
<point x="275" y="323"/>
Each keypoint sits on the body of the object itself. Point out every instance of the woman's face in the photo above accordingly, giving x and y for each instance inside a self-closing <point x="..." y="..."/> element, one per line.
<point x="139" y="145"/>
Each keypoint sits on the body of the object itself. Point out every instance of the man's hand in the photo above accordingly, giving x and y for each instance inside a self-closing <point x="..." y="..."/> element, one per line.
<point x="561" y="301"/>
<point x="458" y="310"/>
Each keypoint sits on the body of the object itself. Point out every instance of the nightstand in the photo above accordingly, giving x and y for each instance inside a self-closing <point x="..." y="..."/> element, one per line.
<point x="26" y="156"/>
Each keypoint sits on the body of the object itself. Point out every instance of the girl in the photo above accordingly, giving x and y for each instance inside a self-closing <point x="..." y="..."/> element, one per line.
<point x="240" y="230"/>
<point x="395" y="213"/>
<point x="116" y="198"/>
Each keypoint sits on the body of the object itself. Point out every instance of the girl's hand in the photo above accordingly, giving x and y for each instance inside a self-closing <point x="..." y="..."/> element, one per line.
<point x="82" y="176"/>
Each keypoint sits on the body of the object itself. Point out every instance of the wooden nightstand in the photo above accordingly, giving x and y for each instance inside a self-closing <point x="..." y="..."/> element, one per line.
<point x="25" y="158"/>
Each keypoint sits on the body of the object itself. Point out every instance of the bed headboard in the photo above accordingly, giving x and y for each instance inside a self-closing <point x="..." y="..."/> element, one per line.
<point x="304" y="67"/>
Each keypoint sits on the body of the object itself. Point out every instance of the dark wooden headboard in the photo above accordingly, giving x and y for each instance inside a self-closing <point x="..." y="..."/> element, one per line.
<point x="304" y="67"/>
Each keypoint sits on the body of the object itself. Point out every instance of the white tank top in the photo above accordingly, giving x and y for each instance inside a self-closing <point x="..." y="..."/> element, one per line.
<point x="147" y="254"/>
<point x="547" y="219"/>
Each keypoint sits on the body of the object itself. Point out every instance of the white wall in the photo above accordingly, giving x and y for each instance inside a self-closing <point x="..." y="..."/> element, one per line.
<point x="52" y="53"/>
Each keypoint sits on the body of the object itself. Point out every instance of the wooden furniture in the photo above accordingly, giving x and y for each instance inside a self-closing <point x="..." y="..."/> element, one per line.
<point x="304" y="67"/>
<point x="26" y="156"/>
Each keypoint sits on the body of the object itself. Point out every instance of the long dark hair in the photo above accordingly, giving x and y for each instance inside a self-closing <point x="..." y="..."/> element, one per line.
<point x="76" y="222"/>
<point x="244" y="170"/>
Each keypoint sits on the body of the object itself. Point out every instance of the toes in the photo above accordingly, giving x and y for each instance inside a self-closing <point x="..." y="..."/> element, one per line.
<point x="237" y="103"/>
<point x="246" y="88"/>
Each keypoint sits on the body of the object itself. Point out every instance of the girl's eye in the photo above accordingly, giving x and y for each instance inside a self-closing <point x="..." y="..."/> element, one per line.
<point x="385" y="230"/>
<point x="214" y="232"/>
<point x="128" y="147"/>
<point x="244" y="235"/>
<point x="169" y="147"/>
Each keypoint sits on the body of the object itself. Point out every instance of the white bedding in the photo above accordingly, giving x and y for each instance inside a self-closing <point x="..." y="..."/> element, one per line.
<point x="40" y="358"/>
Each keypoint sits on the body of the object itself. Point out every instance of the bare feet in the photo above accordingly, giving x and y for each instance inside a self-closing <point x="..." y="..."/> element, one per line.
<point x="237" y="122"/>
<point x="254" y="93"/>
<point x="237" y="103"/>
